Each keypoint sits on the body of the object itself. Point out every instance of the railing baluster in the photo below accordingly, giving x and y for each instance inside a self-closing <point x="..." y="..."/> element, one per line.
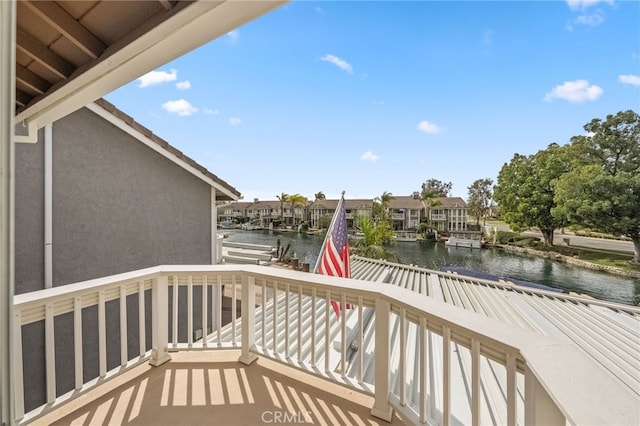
<point x="263" y="327"/>
<point x="160" y="321"/>
<point x="475" y="382"/>
<point x="403" y="356"/>
<point x="274" y="319"/>
<point x="299" y="322"/>
<point x="360" y="338"/>
<point x="343" y="334"/>
<point x="142" y="328"/>
<point x="205" y="311"/>
<point x="423" y="369"/>
<point x="381" y="407"/>
<point x="77" y="341"/>
<point x="286" y="322"/>
<point x="327" y="335"/>
<point x="249" y="320"/>
<point x="174" y="315"/>
<point x="190" y="310"/>
<point x="313" y="326"/>
<point x="234" y="312"/>
<point x="102" y="333"/>
<point x="511" y="390"/>
<point x="124" y="355"/>
<point x="219" y="310"/>
<point x="446" y="375"/>
<point x="18" y="373"/>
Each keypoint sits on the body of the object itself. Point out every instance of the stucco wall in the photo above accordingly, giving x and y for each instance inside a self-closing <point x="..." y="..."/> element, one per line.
<point x="117" y="206"/>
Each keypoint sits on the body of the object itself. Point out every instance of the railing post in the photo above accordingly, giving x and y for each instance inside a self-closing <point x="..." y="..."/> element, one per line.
<point x="539" y="408"/>
<point x="381" y="407"/>
<point x="160" y="321"/>
<point x="248" y="304"/>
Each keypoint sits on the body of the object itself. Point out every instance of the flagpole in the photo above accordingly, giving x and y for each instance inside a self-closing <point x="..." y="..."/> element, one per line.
<point x="331" y="225"/>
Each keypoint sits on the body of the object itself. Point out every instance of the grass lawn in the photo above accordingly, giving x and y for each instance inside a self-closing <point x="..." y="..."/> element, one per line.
<point x="600" y="257"/>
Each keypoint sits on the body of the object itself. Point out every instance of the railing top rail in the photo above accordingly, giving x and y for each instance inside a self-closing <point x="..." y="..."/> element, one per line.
<point x="567" y="374"/>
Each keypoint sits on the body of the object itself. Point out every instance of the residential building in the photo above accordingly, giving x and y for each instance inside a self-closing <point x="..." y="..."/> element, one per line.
<point x="234" y="210"/>
<point x="323" y="210"/>
<point x="406" y="212"/>
<point x="449" y="215"/>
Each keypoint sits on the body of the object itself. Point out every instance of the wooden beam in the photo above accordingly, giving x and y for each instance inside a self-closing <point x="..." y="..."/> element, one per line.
<point x="39" y="53"/>
<point x="166" y="4"/>
<point x="22" y="99"/>
<point x="31" y="80"/>
<point x="68" y="26"/>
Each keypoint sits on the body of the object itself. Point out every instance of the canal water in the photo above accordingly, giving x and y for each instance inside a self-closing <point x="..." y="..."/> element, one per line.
<point x="493" y="261"/>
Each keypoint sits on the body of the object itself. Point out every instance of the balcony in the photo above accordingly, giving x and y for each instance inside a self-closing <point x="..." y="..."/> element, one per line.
<point x="395" y="354"/>
<point x="397" y="216"/>
<point x="438" y="217"/>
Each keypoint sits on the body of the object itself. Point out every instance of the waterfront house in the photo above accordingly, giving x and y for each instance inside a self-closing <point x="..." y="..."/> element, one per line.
<point x="265" y="212"/>
<point x="406" y="211"/>
<point x="81" y="51"/>
<point x="323" y="210"/>
<point x="449" y="215"/>
<point x="234" y="210"/>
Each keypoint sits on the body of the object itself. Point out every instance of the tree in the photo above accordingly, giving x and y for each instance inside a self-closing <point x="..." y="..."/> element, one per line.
<point x="525" y="191"/>
<point x="480" y="195"/>
<point x="602" y="191"/>
<point x="429" y="196"/>
<point x="319" y="196"/>
<point x="381" y="207"/>
<point x="284" y="197"/>
<point x="437" y="187"/>
<point x="296" y="200"/>
<point x="375" y="236"/>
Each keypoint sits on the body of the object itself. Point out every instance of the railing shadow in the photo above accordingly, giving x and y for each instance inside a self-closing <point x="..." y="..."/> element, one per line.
<point x="203" y="388"/>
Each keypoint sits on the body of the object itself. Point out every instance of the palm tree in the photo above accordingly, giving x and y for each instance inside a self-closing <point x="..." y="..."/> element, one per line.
<point x="375" y="237"/>
<point x="284" y="197"/>
<point x="296" y="200"/>
<point x="319" y="196"/>
<point x="430" y="200"/>
<point x="384" y="201"/>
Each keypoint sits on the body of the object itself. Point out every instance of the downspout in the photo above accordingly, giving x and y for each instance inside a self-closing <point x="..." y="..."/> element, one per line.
<point x="7" y="214"/>
<point x="48" y="206"/>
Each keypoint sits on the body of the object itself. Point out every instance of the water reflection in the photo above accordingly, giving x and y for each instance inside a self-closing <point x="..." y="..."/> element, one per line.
<point x="436" y="255"/>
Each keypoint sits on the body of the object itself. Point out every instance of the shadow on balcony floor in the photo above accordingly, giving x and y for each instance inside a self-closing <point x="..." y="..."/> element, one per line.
<point x="205" y="388"/>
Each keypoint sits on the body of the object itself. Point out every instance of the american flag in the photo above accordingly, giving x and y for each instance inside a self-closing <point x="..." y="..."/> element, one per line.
<point x="334" y="257"/>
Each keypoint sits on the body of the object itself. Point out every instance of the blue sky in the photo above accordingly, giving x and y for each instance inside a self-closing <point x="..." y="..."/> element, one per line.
<point x="372" y="96"/>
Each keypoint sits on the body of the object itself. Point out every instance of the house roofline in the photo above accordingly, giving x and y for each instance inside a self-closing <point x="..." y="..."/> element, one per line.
<point x="126" y="123"/>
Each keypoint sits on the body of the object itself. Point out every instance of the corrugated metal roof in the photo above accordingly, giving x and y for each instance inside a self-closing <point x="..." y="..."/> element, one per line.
<point x="607" y="332"/>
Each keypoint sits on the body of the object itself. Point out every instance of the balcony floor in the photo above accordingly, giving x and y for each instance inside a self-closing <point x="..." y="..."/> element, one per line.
<point x="212" y="387"/>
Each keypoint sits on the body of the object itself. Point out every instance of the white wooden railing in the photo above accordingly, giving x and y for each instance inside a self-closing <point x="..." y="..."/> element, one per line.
<point x="561" y="384"/>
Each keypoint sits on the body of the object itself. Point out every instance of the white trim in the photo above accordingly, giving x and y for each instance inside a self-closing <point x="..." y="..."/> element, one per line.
<point x="188" y="29"/>
<point x="214" y="231"/>
<point x="119" y="123"/>
<point x="48" y="206"/>
<point x="7" y="212"/>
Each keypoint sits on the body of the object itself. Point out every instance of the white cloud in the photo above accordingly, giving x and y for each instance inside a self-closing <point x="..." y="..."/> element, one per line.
<point x="340" y="63"/>
<point x="575" y="92"/>
<point x="211" y="111"/>
<point x="319" y="10"/>
<point x="631" y="79"/>
<point x="584" y="4"/>
<point x="234" y="121"/>
<point x="376" y="102"/>
<point x="183" y="85"/>
<point x="370" y="156"/>
<point x="157" y="77"/>
<point x="431" y="128"/>
<point x="180" y="107"/>
<point x="233" y="35"/>
<point x="593" y="20"/>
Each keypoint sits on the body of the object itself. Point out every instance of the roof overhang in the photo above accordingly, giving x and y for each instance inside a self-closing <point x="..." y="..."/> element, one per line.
<point x="150" y="38"/>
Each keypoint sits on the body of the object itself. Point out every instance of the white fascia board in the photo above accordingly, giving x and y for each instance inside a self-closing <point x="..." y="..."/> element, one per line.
<point x="120" y="124"/>
<point x="197" y="24"/>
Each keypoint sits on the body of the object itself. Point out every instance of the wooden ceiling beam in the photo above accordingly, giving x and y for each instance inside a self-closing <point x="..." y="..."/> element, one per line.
<point x="39" y="53"/>
<point x="22" y="99"/>
<point x="166" y="4"/>
<point x="31" y="80"/>
<point x="68" y="26"/>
